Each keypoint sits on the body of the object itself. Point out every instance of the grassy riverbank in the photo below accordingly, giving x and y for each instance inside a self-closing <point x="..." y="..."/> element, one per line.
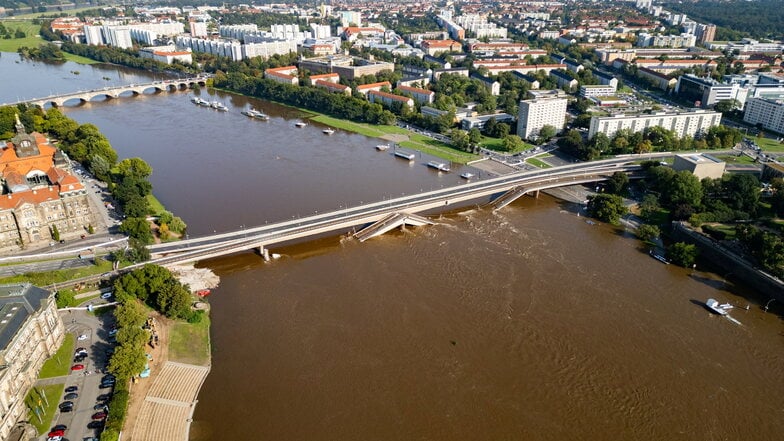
<point x="190" y="342"/>
<point x="32" y="39"/>
<point x="404" y="137"/>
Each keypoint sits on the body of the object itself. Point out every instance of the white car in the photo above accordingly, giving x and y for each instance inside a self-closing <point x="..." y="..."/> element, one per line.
<point x="82" y="337"/>
<point x="106" y="295"/>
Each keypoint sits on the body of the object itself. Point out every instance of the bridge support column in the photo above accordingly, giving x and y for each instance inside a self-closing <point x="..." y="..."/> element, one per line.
<point x="536" y="195"/>
<point x="264" y="253"/>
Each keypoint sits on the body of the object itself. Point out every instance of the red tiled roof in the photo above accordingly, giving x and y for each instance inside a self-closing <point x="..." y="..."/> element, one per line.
<point x="372" y="85"/>
<point x="331" y="85"/>
<point x="416" y="90"/>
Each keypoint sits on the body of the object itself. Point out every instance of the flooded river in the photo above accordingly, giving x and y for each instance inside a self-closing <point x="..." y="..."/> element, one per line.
<point x="527" y="323"/>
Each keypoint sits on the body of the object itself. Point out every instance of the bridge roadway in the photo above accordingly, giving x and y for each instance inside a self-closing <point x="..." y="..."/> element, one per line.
<point x="347" y="218"/>
<point x="115" y="91"/>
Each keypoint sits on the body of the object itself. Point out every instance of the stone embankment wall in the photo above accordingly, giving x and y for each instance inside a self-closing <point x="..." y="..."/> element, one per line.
<point x="728" y="260"/>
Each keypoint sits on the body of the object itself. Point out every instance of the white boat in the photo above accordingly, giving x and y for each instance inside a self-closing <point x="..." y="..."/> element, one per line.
<point x="195" y="100"/>
<point x="405" y="155"/>
<point x="714" y="306"/>
<point x="222" y="108"/>
<point x="214" y="104"/>
<point x="328" y="131"/>
<point x="300" y="124"/>
<point x="440" y="166"/>
<point x="202" y="102"/>
<point x="467" y="175"/>
<point x="253" y="113"/>
<point x="382" y="147"/>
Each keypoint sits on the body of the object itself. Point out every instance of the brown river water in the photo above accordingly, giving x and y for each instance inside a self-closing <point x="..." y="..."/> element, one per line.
<point x="522" y="324"/>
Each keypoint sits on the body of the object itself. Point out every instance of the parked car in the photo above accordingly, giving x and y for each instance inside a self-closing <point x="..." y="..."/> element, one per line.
<point x="71" y="396"/>
<point x="77" y="367"/>
<point x="82" y="337"/>
<point x="54" y="433"/>
<point x="60" y="427"/>
<point x="106" y="295"/>
<point x="113" y="332"/>
<point x="105" y="385"/>
<point x="101" y="406"/>
<point x="71" y="389"/>
<point x="99" y="415"/>
<point x="79" y="358"/>
<point x="104" y="397"/>
<point x="79" y="350"/>
<point x="66" y="404"/>
<point x="108" y="377"/>
<point x="95" y="425"/>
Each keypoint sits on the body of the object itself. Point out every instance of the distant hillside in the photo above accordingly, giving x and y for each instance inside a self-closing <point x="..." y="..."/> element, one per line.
<point x="757" y="18"/>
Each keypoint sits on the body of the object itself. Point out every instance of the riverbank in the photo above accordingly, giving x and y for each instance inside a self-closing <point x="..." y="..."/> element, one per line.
<point x="404" y="137"/>
<point x="32" y="39"/>
<point x="160" y="406"/>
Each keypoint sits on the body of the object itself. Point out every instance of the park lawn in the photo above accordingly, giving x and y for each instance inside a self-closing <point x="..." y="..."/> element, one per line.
<point x="51" y="277"/>
<point x="190" y="342"/>
<point x="60" y="363"/>
<point x="50" y="12"/>
<point x="438" y="148"/>
<point x="43" y="421"/>
<point x="32" y="38"/>
<point x="769" y="145"/>
<point x="538" y="163"/>
<point x="371" y="130"/>
<point x="156" y="207"/>
<point x="79" y="59"/>
<point x="742" y="159"/>
<point x="496" y="144"/>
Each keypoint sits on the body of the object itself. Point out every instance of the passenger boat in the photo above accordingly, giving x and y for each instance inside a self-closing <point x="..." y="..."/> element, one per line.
<point x="253" y="113"/>
<point x="659" y="257"/>
<point x="195" y="100"/>
<point x="214" y="104"/>
<point x="222" y="108"/>
<point x="328" y="131"/>
<point x="203" y="103"/>
<point x="440" y="166"/>
<point x="405" y="155"/>
<point x="300" y="124"/>
<point x="382" y="147"/>
<point x="720" y="309"/>
<point x="467" y="175"/>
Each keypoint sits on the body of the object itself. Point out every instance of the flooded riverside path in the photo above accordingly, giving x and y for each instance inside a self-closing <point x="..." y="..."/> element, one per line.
<point x="527" y="323"/>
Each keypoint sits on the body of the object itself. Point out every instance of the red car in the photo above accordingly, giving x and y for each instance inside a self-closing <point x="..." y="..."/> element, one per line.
<point x="77" y="367"/>
<point x="99" y="415"/>
<point x="55" y="433"/>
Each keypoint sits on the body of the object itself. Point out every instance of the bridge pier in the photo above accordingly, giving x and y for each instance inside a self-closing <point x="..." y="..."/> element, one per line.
<point x="264" y="253"/>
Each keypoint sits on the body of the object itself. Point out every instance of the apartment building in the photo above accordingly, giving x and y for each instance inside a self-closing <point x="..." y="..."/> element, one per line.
<point x="682" y="123"/>
<point x="767" y="112"/>
<point x="546" y="108"/>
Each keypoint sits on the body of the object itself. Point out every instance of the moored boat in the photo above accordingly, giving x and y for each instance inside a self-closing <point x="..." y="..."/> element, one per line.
<point x="466" y="175"/>
<point x="328" y="131"/>
<point x="659" y="257"/>
<point x="714" y="306"/>
<point x="440" y="166"/>
<point x="382" y="147"/>
<point x="405" y="155"/>
<point x="300" y="124"/>
<point x="222" y="107"/>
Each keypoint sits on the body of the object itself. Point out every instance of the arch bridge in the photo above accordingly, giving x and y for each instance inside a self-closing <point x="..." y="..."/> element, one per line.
<point x="114" y="92"/>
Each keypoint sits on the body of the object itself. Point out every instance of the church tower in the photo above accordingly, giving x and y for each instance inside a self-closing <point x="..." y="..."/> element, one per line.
<point x="24" y="144"/>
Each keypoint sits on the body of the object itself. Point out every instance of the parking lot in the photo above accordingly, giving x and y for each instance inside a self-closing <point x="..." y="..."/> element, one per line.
<point x="83" y="384"/>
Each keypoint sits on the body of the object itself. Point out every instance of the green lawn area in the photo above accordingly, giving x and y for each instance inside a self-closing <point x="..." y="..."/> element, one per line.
<point x="732" y="159"/>
<point x="60" y="363"/>
<point x="190" y="342"/>
<point x="497" y="144"/>
<point x="52" y="10"/>
<point x="156" y="207"/>
<point x="50" y="394"/>
<point x="79" y="59"/>
<point x="770" y="145"/>
<point x="538" y="163"/>
<point x="371" y="130"/>
<point x="51" y="277"/>
<point x="32" y="38"/>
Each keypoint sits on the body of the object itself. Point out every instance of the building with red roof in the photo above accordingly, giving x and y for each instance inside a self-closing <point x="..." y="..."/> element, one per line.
<point x="39" y="193"/>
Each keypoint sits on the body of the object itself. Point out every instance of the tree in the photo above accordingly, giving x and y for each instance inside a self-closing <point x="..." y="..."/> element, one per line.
<point x="649" y="207"/>
<point x="137" y="228"/>
<point x="606" y="207"/>
<point x="177" y="225"/>
<point x="474" y="136"/>
<point x="127" y="361"/>
<point x="64" y="298"/>
<point x="683" y="189"/>
<point x="618" y="183"/>
<point x="55" y="233"/>
<point x="726" y="106"/>
<point x="683" y="254"/>
<point x="459" y="139"/>
<point x="743" y="192"/>
<point x="647" y="232"/>
<point x="134" y="167"/>
<point x="777" y="200"/>
<point x="513" y="143"/>
<point x="546" y="133"/>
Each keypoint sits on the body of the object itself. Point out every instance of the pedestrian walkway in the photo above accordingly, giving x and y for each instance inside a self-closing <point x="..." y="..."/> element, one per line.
<point x="167" y="410"/>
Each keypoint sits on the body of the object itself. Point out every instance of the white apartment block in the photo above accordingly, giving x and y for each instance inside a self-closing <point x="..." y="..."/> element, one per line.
<point x="682" y="123"/>
<point x="117" y="36"/>
<point x="31" y="331"/>
<point x="769" y="113"/>
<point x="198" y="28"/>
<point x="93" y="35"/>
<point x="545" y="109"/>
<point x="598" y="90"/>
<point x="223" y="48"/>
<point x="268" y="48"/>
<point x="320" y="31"/>
<point x="238" y="31"/>
<point x="675" y="41"/>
